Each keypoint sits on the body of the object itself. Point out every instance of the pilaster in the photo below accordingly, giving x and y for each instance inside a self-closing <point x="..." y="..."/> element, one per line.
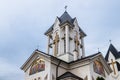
<point x="67" y="38"/>
<point x="48" y="48"/>
<point x="83" y="48"/>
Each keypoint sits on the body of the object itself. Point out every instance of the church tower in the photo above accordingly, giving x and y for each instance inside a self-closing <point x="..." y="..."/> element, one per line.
<point x="66" y="39"/>
<point x="65" y="57"/>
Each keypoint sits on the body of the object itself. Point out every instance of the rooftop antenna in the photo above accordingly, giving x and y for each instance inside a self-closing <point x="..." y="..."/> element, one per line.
<point x="66" y="8"/>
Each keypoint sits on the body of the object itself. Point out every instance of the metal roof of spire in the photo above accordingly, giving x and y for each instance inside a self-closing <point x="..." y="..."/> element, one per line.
<point x="65" y="17"/>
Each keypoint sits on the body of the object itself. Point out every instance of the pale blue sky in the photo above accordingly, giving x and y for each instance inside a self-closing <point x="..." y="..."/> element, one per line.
<point x="23" y="23"/>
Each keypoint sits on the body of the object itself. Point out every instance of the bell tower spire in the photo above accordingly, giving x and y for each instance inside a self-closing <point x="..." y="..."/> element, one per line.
<point x="66" y="38"/>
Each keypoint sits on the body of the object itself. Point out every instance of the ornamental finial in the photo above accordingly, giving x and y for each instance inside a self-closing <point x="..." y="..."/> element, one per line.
<point x="66" y="8"/>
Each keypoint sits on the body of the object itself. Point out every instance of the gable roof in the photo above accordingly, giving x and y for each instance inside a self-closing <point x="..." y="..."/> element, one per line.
<point x="114" y="51"/>
<point x="68" y="74"/>
<point x="65" y="17"/>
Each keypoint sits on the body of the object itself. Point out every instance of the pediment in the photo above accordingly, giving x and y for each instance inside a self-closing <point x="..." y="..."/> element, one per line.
<point x="34" y="59"/>
<point x="100" y="66"/>
<point x="56" y="23"/>
<point x="37" y="65"/>
<point x="76" y="23"/>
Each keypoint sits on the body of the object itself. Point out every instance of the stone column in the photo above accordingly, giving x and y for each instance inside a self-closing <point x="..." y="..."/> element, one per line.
<point x="48" y="48"/>
<point x="83" y="49"/>
<point x="67" y="38"/>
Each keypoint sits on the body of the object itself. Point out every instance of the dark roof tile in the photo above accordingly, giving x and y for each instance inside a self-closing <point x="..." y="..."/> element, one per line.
<point x="49" y="30"/>
<point x="66" y="17"/>
<point x="118" y="66"/>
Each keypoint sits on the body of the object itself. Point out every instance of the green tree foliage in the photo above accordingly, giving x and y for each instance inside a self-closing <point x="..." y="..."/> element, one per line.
<point x="100" y="78"/>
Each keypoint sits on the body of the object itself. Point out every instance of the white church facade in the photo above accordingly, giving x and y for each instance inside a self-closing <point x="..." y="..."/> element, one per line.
<point x="113" y="59"/>
<point x="65" y="57"/>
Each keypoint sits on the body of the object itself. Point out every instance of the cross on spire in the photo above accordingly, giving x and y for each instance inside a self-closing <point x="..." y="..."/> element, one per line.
<point x="66" y="8"/>
<point x="110" y="41"/>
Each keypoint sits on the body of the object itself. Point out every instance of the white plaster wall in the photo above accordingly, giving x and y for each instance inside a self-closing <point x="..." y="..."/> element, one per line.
<point x="60" y="71"/>
<point x="111" y="57"/>
<point x="82" y="71"/>
<point x="72" y="34"/>
<point x="118" y="76"/>
<point x="62" y="31"/>
<point x="77" y="29"/>
<point x="56" y="29"/>
<point x="66" y="57"/>
<point x="76" y="25"/>
<point x="61" y="51"/>
<point x="56" y="25"/>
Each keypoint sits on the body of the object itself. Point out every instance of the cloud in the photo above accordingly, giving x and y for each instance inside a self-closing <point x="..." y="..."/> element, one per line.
<point x="9" y="70"/>
<point x="23" y="23"/>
